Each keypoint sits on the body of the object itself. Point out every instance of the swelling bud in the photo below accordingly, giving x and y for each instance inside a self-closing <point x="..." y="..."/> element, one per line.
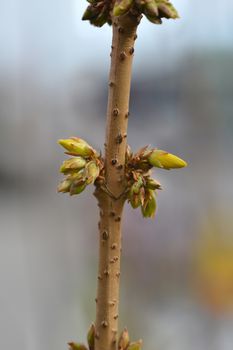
<point x="165" y="160"/>
<point x="167" y="10"/>
<point x="77" y="188"/>
<point x="77" y="147"/>
<point x="90" y="13"/>
<point x="152" y="184"/>
<point x="135" y="200"/>
<point x="72" y="165"/>
<point x="136" y="193"/>
<point x="64" y="186"/>
<point x="91" y="337"/>
<point x="121" y="7"/>
<point x="91" y="172"/>
<point x="149" y="206"/>
<point x="151" y="8"/>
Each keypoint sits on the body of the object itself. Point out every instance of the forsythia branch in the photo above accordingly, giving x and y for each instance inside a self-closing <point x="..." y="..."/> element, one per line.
<point x="120" y="175"/>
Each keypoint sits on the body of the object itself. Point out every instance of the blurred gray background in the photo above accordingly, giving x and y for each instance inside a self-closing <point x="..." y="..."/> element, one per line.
<point x="177" y="279"/>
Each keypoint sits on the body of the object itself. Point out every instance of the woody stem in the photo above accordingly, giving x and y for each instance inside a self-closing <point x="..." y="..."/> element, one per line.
<point x="111" y="206"/>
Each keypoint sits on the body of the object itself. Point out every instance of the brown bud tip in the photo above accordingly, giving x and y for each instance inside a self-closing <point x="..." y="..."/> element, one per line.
<point x="122" y="56"/>
<point x="104" y="324"/>
<point x="123" y="340"/>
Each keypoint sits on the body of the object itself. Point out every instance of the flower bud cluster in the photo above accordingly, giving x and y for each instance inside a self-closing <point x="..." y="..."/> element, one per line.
<point x="155" y="10"/>
<point x="142" y="187"/>
<point x="86" y="167"/>
<point x="80" y="170"/>
<point x="142" y="192"/>
<point x="100" y="12"/>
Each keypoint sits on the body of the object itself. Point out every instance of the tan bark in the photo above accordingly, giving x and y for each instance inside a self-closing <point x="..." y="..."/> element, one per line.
<point x="111" y="199"/>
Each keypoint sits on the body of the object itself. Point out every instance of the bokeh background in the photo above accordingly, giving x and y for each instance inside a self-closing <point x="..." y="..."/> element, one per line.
<point x="177" y="278"/>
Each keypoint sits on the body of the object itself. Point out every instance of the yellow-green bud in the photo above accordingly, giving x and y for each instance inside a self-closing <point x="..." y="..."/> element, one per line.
<point x="135" y="345"/>
<point x="152" y="184"/>
<point x="153" y="19"/>
<point x="101" y="19"/>
<point x="90" y="13"/>
<point x="135" y="201"/>
<point x="77" y="188"/>
<point x="91" y="172"/>
<point x="123" y="340"/>
<point x="136" y="193"/>
<point x="64" y="186"/>
<point x="77" y="346"/>
<point x="121" y="7"/>
<point x="135" y="188"/>
<point x="149" y="206"/>
<point x="77" y="176"/>
<point x="72" y="164"/>
<point x="167" y="10"/>
<point x="165" y="160"/>
<point x="98" y="13"/>
<point x="151" y="8"/>
<point x="91" y="337"/>
<point x="155" y="10"/>
<point x="77" y="147"/>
